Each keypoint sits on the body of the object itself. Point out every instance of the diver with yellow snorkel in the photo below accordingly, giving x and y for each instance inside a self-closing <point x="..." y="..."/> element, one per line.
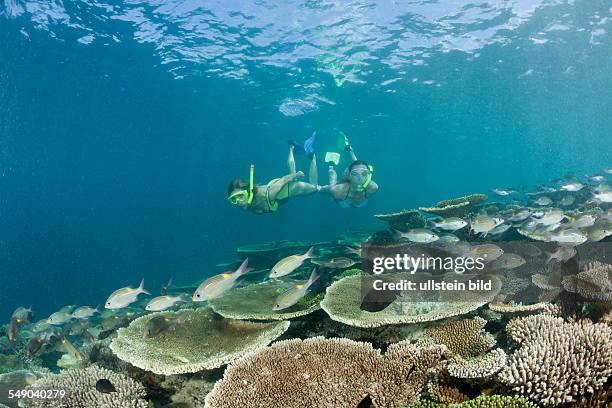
<point x="356" y="185"/>
<point x="263" y="199"/>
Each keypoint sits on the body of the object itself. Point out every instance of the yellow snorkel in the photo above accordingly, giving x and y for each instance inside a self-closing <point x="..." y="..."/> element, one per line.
<point x="243" y="195"/>
<point x="251" y="175"/>
<point x="368" y="179"/>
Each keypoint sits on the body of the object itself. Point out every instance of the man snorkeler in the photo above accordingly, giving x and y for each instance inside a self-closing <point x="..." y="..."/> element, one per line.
<point x="264" y="199"/>
<point x="356" y="185"/>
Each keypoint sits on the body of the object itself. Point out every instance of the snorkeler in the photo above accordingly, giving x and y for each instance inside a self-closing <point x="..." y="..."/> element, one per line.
<point x="262" y="199"/>
<point x="356" y="184"/>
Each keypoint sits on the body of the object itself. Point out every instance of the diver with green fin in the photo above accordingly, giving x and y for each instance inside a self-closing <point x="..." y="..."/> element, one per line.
<point x="356" y="185"/>
<point x="263" y="199"/>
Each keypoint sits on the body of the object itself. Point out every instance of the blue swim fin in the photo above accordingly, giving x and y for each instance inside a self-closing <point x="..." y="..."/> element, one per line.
<point x="309" y="144"/>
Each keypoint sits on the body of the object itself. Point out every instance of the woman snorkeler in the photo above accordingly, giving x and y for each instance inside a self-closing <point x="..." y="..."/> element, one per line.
<point x="264" y="199"/>
<point x="356" y="185"/>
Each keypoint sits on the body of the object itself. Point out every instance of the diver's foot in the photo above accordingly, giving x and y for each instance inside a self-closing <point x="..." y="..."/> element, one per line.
<point x="299" y="175"/>
<point x="348" y="148"/>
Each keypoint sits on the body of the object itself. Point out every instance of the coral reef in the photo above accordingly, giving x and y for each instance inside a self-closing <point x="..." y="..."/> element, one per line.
<point x="457" y="207"/>
<point x="254" y="302"/>
<point x="519" y="309"/>
<point x="480" y="366"/>
<point x="594" y="283"/>
<point x="464" y="337"/>
<point x="204" y="341"/>
<point x="343" y="301"/>
<point x="80" y="387"/>
<point x="558" y="362"/>
<point x="403" y="220"/>
<point x="483" y="401"/>
<point x="320" y="372"/>
<point x="445" y="394"/>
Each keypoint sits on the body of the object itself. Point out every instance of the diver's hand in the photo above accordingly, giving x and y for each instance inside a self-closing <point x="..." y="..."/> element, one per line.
<point x="298" y="176"/>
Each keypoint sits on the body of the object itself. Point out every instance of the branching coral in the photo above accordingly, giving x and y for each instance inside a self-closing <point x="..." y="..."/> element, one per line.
<point x="558" y="362"/>
<point x="464" y="337"/>
<point x="483" y="401"/>
<point x="478" y="366"/>
<point x="320" y="372"/>
<point x="80" y="387"/>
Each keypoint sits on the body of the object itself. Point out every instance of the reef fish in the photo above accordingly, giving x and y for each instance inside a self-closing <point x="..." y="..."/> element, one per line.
<point x="163" y="302"/>
<point x="84" y="312"/>
<point x="161" y="324"/>
<point x="335" y="263"/>
<point x="125" y="296"/>
<point x="293" y="295"/>
<point x="105" y="386"/>
<point x="450" y="224"/>
<point x="289" y="264"/>
<point x="418" y="235"/>
<point x="215" y="286"/>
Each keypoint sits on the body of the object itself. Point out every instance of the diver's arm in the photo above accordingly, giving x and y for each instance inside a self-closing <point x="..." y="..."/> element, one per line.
<point x="276" y="187"/>
<point x="338" y="191"/>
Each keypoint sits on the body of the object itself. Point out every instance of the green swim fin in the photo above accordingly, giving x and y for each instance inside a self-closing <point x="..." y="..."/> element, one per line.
<point x="342" y="141"/>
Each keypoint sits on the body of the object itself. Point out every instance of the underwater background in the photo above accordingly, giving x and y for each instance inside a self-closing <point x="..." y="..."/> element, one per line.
<point x="122" y="123"/>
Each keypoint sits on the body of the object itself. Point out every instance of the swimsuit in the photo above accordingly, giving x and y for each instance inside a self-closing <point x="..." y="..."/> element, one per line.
<point x="345" y="204"/>
<point x="281" y="197"/>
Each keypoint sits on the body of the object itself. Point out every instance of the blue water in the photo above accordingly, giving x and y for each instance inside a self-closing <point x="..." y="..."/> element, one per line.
<point x="122" y="123"/>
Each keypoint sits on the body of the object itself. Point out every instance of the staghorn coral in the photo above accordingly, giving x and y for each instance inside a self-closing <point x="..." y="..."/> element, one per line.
<point x="593" y="283"/>
<point x="204" y="341"/>
<point x="80" y="386"/>
<point x="254" y="302"/>
<point x="521" y="329"/>
<point x="558" y="362"/>
<point x="480" y="366"/>
<point x="320" y="372"/>
<point x="343" y="300"/>
<point x="464" y="337"/>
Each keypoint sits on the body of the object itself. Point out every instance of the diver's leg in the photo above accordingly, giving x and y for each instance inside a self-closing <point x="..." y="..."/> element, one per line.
<point x="291" y="161"/>
<point x="301" y="188"/>
<point x="313" y="176"/>
<point x="351" y="153"/>
<point x="276" y="186"/>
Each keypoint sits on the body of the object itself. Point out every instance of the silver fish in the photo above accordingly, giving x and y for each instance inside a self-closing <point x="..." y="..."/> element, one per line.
<point x="125" y="296"/>
<point x="293" y="295"/>
<point x="419" y="235"/>
<point x="450" y="224"/>
<point x="215" y="286"/>
<point x="160" y="303"/>
<point x="561" y="254"/>
<point x="84" y="312"/>
<point x="289" y="264"/>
